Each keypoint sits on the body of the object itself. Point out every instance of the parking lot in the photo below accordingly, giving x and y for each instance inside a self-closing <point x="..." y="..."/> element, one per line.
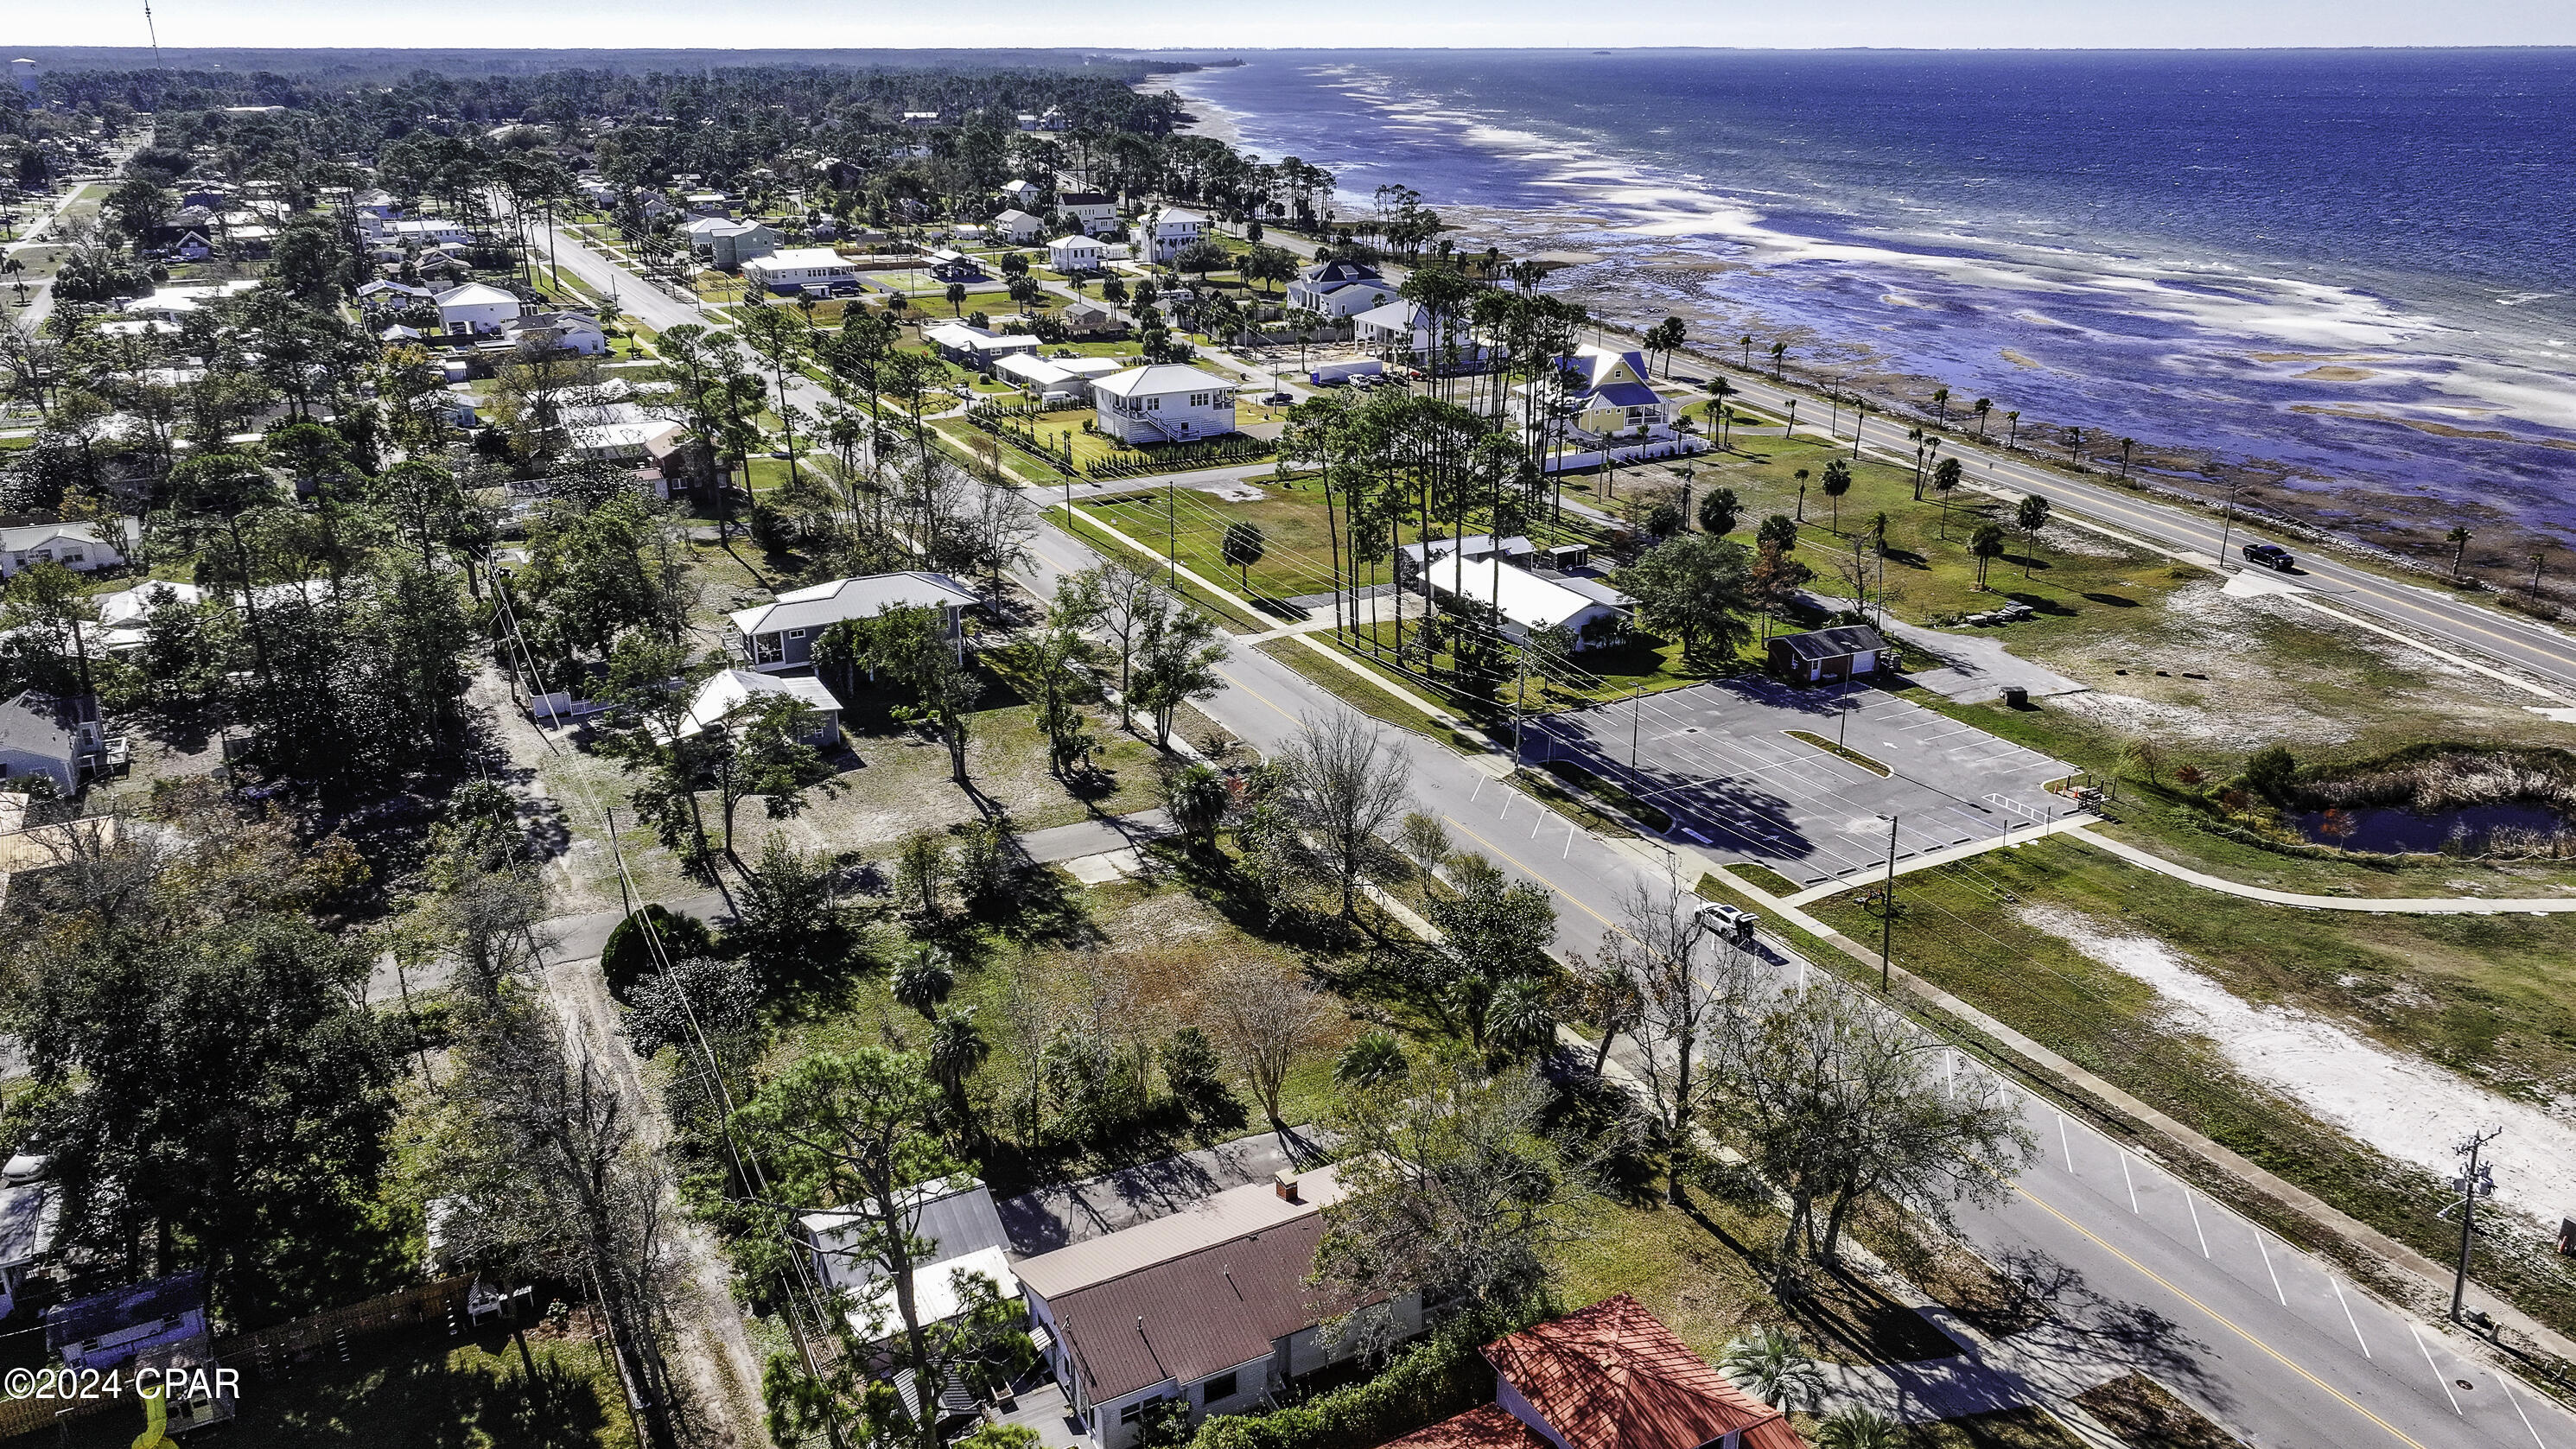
<point x="1718" y="759"/>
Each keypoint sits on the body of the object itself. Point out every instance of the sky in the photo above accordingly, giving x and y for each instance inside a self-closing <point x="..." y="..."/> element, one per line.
<point x="1305" y="24"/>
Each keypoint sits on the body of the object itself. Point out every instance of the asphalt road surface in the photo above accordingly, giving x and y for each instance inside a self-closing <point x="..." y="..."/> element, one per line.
<point x="2271" y="1372"/>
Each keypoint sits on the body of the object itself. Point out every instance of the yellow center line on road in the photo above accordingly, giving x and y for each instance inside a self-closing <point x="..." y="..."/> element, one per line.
<point x="1534" y="875"/>
<point x="2221" y="1319"/>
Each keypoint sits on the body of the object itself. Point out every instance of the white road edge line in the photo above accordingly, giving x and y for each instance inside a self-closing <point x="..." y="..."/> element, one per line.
<point x="2127" y="1182"/>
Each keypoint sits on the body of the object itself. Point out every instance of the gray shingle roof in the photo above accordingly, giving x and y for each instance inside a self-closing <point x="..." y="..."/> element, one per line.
<point x="1830" y="643"/>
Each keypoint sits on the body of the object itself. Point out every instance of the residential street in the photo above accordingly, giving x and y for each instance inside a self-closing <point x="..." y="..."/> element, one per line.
<point x="2285" y="1367"/>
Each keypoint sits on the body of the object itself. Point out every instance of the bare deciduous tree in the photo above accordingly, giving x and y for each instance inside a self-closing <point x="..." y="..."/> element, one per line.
<point x="1683" y="996"/>
<point x="1345" y="786"/>
<point x="1263" y="1016"/>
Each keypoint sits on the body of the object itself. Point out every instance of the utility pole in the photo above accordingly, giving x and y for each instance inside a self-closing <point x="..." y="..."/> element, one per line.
<point x="1171" y="525"/>
<point x="2474" y="1182"/>
<point x="1887" y="907"/>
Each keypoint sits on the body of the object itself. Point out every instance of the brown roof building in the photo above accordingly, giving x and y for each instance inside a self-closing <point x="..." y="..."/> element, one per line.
<point x="1208" y="1306"/>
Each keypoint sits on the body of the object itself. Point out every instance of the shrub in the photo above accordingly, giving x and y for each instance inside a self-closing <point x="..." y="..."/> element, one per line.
<point x="628" y="956"/>
<point x="1434" y="1379"/>
<point x="2271" y="772"/>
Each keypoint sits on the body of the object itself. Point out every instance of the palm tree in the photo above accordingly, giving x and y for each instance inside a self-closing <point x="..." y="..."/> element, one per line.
<point x="2032" y="515"/>
<point x="1984" y="406"/>
<point x="2459" y="540"/>
<point x="1720" y="390"/>
<point x="1941" y="404"/>
<point x="1779" y="350"/>
<point x="957" y="1052"/>
<point x="1774" y="1367"/>
<point x="1802" y="495"/>
<point x="1987" y="545"/>
<point x="1372" y="1061"/>
<point x="923" y="983"/>
<point x="957" y="298"/>
<point x="1838" y="481"/>
<point x="2014" y="439"/>
<point x="1859" y="1428"/>
<point x="1746" y="341"/>
<point x="2125" y="445"/>
<point x="2075" y="446"/>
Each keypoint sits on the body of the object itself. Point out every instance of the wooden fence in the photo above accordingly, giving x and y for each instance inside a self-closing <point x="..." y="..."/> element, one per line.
<point x="273" y="1349"/>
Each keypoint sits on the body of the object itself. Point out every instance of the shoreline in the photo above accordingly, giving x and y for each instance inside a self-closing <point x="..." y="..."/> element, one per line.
<point x="1636" y="284"/>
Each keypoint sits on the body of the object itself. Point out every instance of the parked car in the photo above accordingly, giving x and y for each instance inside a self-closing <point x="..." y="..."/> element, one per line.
<point x="1733" y="923"/>
<point x="2270" y="556"/>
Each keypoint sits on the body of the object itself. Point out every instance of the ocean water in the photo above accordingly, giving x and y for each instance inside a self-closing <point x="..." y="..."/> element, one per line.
<point x="2350" y="272"/>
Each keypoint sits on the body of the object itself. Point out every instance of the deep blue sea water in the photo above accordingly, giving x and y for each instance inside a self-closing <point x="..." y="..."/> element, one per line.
<point x="2356" y="270"/>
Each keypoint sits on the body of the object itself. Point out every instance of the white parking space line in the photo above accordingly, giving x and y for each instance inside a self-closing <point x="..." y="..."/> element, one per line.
<point x="2196" y="1229"/>
<point x="2437" y="1371"/>
<point x="2509" y="1397"/>
<point x="2347" y="1315"/>
<point x="2268" y="1268"/>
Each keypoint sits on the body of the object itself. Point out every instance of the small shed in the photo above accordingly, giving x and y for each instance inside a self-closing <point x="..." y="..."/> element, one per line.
<point x="1841" y="652"/>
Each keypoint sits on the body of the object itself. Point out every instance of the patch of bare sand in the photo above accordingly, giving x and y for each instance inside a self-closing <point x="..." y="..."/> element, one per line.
<point x="2338" y="374"/>
<point x="2263" y="680"/>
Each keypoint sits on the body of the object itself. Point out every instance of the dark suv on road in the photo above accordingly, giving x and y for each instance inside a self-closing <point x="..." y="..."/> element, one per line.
<point x="2270" y="556"/>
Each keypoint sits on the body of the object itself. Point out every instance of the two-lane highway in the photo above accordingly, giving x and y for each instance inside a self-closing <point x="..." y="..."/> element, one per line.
<point x="2270" y="1367"/>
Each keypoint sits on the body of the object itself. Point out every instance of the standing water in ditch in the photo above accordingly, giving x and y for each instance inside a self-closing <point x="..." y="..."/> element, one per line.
<point x="2395" y="830"/>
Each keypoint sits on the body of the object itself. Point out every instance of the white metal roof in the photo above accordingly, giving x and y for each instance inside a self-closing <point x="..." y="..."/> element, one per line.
<point x="1162" y="380"/>
<point x="734" y="688"/>
<point x="1520" y="596"/>
<point x="843" y="599"/>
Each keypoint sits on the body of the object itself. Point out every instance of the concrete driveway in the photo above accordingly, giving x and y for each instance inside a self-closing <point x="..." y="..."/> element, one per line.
<point x="1719" y="759"/>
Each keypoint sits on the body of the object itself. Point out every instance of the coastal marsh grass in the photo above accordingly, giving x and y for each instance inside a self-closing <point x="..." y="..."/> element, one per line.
<point x="2487" y="996"/>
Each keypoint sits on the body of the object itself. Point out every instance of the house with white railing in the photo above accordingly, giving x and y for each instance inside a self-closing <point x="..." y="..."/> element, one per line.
<point x="1164" y="403"/>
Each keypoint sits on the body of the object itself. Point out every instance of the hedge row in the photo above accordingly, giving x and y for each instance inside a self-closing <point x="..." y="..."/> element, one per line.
<point x="1441" y="1376"/>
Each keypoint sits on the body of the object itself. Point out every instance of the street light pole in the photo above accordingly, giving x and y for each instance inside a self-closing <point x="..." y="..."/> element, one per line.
<point x="2227" y="525"/>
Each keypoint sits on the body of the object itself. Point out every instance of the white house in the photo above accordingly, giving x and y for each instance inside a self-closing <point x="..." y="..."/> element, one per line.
<point x="1594" y="614"/>
<point x="1164" y="403"/>
<point x="731" y="689"/>
<point x="798" y="268"/>
<point x="30" y="1209"/>
<point x="565" y="331"/>
<point x="1022" y="193"/>
<point x="781" y="634"/>
<point x="1042" y="378"/>
<point x="1074" y="255"/>
<point x="726" y="244"/>
<point x="428" y="232"/>
<point x="477" y="309"/>
<point x="49" y="735"/>
<point x="621" y="442"/>
<point x="1409" y="332"/>
<point x="1207" y="1308"/>
<point x="1018" y="227"/>
<point x="970" y="346"/>
<point x="80" y="547"/>
<point x="125" y="617"/>
<point x="185" y="298"/>
<point x="1340" y="289"/>
<point x="1162" y="236"/>
<point x="108" y="1330"/>
<point x="1095" y="213"/>
<point x="961" y="1229"/>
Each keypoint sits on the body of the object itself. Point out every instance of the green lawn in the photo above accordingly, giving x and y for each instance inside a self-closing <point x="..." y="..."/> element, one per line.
<point x="2486" y="995"/>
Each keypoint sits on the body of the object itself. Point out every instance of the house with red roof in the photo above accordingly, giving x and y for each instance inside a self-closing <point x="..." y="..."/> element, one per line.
<point x="1610" y="1376"/>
